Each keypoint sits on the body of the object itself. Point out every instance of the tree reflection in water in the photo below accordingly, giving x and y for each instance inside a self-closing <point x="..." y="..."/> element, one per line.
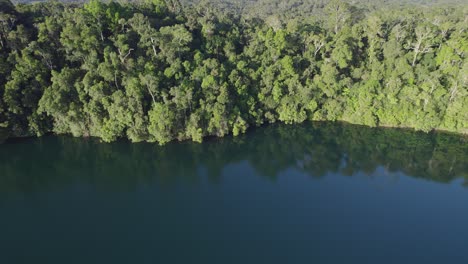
<point x="31" y="165"/>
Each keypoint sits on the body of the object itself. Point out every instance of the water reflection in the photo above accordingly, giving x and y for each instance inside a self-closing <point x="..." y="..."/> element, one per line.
<point x="317" y="149"/>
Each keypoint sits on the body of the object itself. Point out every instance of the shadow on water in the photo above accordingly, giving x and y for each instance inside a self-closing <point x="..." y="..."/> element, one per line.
<point x="3" y="135"/>
<point x="316" y="149"/>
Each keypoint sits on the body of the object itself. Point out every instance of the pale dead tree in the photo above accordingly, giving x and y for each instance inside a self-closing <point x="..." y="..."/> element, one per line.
<point x="423" y="42"/>
<point x="142" y="26"/>
<point x="100" y="26"/>
<point x="123" y="57"/>
<point x="464" y="75"/>
<point x="153" y="45"/>
<point x="151" y="84"/>
<point x="153" y="40"/>
<point x="436" y="21"/>
<point x="433" y="86"/>
<point x="151" y="32"/>
<point x="453" y="92"/>
<point x="274" y="22"/>
<point x="125" y="25"/>
<point x="184" y="98"/>
<point x="375" y="26"/>
<point x="429" y="88"/>
<point x="399" y="32"/>
<point x="338" y="13"/>
<point x="115" y="80"/>
<point x="152" y="36"/>
<point x="444" y="26"/>
<point x="462" y="82"/>
<point x="318" y="42"/>
<point x="46" y="58"/>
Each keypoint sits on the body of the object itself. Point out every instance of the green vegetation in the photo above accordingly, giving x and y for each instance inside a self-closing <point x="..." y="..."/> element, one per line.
<point x="158" y="71"/>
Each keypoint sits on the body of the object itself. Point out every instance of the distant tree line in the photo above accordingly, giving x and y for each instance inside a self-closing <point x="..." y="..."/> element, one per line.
<point x="158" y="70"/>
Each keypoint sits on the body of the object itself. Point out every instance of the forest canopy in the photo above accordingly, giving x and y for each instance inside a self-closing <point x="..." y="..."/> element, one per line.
<point x="160" y="70"/>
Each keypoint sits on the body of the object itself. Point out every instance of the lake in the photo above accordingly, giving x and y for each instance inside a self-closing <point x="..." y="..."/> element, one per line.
<point x="311" y="193"/>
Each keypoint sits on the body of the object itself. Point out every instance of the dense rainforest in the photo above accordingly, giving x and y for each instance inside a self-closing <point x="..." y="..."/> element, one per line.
<point x="159" y="70"/>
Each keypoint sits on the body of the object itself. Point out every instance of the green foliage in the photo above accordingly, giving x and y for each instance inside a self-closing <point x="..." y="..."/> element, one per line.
<point x="162" y="121"/>
<point x="154" y="71"/>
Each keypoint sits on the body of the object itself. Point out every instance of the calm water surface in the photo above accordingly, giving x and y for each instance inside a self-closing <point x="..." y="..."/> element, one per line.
<point x="316" y="193"/>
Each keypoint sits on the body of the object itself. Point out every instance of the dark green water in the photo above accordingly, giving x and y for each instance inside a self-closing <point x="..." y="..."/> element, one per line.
<point x="316" y="193"/>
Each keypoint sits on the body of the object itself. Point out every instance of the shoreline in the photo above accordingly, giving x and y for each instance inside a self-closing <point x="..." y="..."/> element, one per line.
<point x="250" y="129"/>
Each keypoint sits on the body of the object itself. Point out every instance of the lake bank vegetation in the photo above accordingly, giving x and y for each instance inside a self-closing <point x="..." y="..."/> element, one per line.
<point x="159" y="70"/>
